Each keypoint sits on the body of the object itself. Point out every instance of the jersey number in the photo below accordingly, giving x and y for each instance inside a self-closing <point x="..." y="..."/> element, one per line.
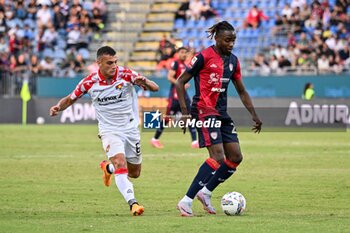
<point x="138" y="148"/>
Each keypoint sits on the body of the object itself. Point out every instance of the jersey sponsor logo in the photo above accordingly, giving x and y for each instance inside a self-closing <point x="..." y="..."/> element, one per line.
<point x="230" y="66"/>
<point x="225" y="80"/>
<point x="214" y="135"/>
<point x="119" y="86"/>
<point x="111" y="99"/>
<point x="213" y="66"/>
<point x="218" y="89"/>
<point x="214" y="78"/>
<point x="194" y="59"/>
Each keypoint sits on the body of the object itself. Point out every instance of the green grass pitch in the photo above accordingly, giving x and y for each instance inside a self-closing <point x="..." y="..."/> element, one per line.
<point x="50" y="181"/>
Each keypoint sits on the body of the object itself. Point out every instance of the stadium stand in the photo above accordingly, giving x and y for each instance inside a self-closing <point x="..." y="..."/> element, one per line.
<point x="291" y="39"/>
<point x="46" y="38"/>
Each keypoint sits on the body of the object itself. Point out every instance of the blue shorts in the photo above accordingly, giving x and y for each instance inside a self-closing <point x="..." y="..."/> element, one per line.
<point x="211" y="135"/>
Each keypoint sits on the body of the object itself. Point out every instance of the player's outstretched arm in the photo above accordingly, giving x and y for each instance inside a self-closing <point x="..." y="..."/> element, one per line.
<point x="180" y="85"/>
<point x="180" y="89"/>
<point x="146" y="83"/>
<point x="248" y="103"/>
<point x="61" y="105"/>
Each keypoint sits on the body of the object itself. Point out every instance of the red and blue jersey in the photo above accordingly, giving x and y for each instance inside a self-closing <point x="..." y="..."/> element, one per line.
<point x="212" y="74"/>
<point x="178" y="66"/>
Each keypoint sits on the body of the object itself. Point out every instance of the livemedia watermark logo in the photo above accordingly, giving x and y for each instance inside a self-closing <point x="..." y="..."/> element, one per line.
<point x="153" y="120"/>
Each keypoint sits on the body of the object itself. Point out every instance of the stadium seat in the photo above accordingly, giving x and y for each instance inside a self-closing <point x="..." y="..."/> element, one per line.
<point x="179" y="23"/>
<point x="84" y="53"/>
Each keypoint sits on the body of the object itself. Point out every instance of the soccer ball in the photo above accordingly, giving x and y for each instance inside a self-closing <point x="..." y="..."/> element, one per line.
<point x="40" y="120"/>
<point x="233" y="203"/>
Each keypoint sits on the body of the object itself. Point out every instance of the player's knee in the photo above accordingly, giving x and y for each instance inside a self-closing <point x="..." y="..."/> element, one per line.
<point x="134" y="174"/>
<point x="235" y="158"/>
<point x="218" y="155"/>
<point x="118" y="161"/>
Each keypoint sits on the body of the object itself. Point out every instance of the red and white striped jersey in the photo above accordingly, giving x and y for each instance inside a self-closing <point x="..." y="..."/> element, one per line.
<point x="114" y="100"/>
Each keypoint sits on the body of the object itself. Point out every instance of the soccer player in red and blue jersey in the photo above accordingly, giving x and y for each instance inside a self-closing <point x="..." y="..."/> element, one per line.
<point x="213" y="69"/>
<point x="177" y="67"/>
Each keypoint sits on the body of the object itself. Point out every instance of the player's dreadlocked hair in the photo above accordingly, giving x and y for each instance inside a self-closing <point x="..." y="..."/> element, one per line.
<point x="218" y="27"/>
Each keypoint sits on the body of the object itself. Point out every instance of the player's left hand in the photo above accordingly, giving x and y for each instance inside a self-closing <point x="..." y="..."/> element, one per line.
<point x="258" y="123"/>
<point x="140" y="80"/>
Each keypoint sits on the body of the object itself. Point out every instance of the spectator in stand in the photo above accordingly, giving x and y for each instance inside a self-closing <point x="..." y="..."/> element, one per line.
<point x="296" y="23"/>
<point x="283" y="62"/>
<point x="32" y="9"/>
<point x="79" y="64"/>
<point x="34" y="66"/>
<point x="64" y="8"/>
<point x="76" y="8"/>
<point x="280" y="51"/>
<point x="195" y="9"/>
<point x="50" y="36"/>
<point x="254" y="17"/>
<point x="84" y="38"/>
<point x="73" y="37"/>
<point x="261" y="64"/>
<point x="43" y="15"/>
<point x="15" y="44"/>
<point x="183" y="11"/>
<point x="303" y="43"/>
<point x="59" y="20"/>
<point x="47" y="67"/>
<point x="96" y="22"/>
<point x="273" y="64"/>
<point x="297" y="3"/>
<point x="287" y="11"/>
<point x="344" y="54"/>
<point x="207" y="10"/>
<point x="20" y="10"/>
<point x="3" y="46"/>
<point x="100" y="4"/>
<point x="305" y="12"/>
<point x="316" y="10"/>
<point x="3" y="25"/>
<point x="20" y="72"/>
<point x="323" y="64"/>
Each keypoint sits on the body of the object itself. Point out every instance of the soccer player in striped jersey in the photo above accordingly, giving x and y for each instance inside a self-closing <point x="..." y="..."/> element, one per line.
<point x="114" y="98"/>
<point x="213" y="69"/>
<point x="177" y="67"/>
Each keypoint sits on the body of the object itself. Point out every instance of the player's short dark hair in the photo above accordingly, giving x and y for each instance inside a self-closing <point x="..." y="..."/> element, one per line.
<point x="105" y="50"/>
<point x="219" y="27"/>
<point x="182" y="48"/>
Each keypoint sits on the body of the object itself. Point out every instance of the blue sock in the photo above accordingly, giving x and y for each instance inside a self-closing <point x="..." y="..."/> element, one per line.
<point x="204" y="174"/>
<point x="223" y="173"/>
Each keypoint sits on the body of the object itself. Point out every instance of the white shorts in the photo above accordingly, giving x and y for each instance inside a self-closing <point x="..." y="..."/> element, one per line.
<point x="123" y="143"/>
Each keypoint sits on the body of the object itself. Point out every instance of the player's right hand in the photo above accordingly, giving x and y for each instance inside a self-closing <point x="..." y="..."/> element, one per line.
<point x="54" y="110"/>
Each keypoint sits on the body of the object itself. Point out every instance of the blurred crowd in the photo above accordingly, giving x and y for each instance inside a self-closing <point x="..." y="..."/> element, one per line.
<point x="317" y="35"/>
<point x="47" y="37"/>
<point x="318" y="38"/>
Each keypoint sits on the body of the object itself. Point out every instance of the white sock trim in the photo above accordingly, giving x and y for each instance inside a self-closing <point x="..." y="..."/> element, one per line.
<point x="206" y="191"/>
<point x="187" y="199"/>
